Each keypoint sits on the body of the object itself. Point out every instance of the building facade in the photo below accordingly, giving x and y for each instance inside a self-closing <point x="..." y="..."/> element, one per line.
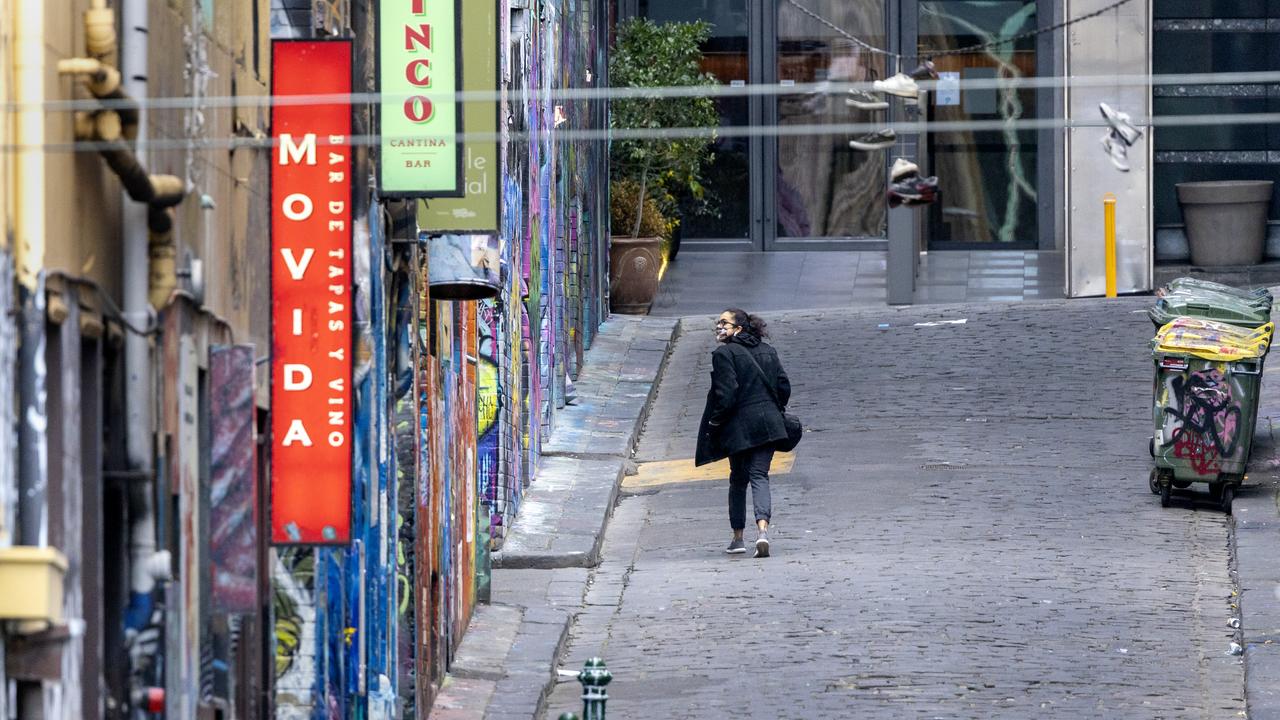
<point x="1011" y="130"/>
<point x="137" y="368"/>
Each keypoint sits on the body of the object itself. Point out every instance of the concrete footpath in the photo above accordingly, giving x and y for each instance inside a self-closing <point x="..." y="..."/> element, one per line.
<point x="505" y="664"/>
<point x="1256" y="515"/>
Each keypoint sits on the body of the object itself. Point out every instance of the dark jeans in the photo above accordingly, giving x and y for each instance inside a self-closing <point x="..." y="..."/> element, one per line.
<point x="749" y="467"/>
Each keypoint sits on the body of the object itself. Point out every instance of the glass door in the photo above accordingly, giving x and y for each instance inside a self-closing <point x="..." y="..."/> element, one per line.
<point x="724" y="219"/>
<point x="986" y="177"/>
<point x="803" y="187"/>
<point x="820" y="191"/>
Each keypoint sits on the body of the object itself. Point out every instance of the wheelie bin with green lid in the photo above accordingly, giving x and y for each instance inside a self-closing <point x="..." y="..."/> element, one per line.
<point x="1186" y="297"/>
<point x="1204" y="408"/>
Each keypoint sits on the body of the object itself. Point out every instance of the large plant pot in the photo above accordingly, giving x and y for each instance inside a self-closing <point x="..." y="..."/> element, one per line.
<point x="1226" y="220"/>
<point x="634" y="264"/>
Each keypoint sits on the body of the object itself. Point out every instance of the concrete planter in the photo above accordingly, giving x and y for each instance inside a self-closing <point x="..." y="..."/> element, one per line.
<point x="1226" y="220"/>
<point x="634" y="264"/>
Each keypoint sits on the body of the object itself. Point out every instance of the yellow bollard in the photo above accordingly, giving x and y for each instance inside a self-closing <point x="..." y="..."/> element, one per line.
<point x="1109" y="224"/>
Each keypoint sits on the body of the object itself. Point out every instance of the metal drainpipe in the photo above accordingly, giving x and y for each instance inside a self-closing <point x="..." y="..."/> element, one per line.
<point x="29" y="231"/>
<point x="139" y="387"/>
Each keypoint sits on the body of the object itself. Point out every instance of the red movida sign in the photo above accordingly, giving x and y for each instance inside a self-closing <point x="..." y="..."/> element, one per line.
<point x="311" y="396"/>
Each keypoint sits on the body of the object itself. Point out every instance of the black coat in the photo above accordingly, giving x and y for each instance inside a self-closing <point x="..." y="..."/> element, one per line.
<point x="740" y="412"/>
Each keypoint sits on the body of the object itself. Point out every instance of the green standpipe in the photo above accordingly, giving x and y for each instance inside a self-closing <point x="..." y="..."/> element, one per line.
<point x="594" y="677"/>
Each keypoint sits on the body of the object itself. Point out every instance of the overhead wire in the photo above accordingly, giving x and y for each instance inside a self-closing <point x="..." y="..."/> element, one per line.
<point x="966" y="50"/>
<point x="260" y="140"/>
<point x="625" y="93"/>
<point x="738" y="131"/>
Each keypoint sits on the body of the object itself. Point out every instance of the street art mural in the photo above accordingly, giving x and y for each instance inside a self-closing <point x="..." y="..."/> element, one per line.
<point x="233" y="519"/>
<point x="293" y="608"/>
<point x="405" y="432"/>
<point x="489" y="404"/>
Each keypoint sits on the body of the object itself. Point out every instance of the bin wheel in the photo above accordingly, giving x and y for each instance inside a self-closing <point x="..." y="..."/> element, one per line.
<point x="1153" y="481"/>
<point x="1228" y="494"/>
<point x="1151" y="445"/>
<point x="1166" y="494"/>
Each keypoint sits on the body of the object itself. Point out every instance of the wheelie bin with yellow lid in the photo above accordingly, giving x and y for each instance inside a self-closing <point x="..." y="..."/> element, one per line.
<point x="1205" y="399"/>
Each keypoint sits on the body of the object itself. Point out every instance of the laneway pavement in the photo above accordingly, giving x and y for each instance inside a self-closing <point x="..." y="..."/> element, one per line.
<point x="700" y="282"/>
<point x="965" y="532"/>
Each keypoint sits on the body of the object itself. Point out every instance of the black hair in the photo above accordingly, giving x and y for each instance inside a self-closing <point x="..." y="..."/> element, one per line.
<point x="753" y="324"/>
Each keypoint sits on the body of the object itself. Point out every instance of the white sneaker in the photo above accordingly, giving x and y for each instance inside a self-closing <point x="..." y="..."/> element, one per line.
<point x="902" y="167"/>
<point x="1121" y="124"/>
<point x="864" y="100"/>
<point x="762" y="546"/>
<point x="900" y="85"/>
<point x="1115" y="147"/>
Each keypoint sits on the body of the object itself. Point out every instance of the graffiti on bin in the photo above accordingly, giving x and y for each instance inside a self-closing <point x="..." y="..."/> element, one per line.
<point x="1203" y="421"/>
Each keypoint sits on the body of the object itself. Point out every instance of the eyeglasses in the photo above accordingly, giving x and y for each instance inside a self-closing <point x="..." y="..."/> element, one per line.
<point x="722" y="323"/>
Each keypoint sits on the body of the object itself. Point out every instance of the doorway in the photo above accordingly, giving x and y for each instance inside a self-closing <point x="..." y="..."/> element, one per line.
<point x="802" y="188"/>
<point x="988" y="176"/>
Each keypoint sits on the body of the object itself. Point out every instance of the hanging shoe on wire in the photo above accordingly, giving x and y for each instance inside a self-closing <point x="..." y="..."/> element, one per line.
<point x="1121" y="124"/>
<point x="864" y="100"/>
<point x="877" y="140"/>
<point x="900" y="85"/>
<point x="912" y="191"/>
<point x="924" y="71"/>
<point x="902" y="169"/>
<point x="1116" y="150"/>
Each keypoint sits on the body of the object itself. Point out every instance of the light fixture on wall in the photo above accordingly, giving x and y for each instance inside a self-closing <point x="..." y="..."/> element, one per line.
<point x="193" y="274"/>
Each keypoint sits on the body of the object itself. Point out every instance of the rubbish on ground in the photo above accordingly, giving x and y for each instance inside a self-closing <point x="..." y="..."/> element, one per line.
<point x="936" y="323"/>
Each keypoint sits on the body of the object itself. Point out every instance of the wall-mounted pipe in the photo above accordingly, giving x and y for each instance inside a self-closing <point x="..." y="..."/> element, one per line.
<point x="162" y="255"/>
<point x="29" y="237"/>
<point x="118" y="128"/>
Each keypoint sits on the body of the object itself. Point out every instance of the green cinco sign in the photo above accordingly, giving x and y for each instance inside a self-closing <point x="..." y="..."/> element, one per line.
<point x="418" y="71"/>
<point x="477" y="210"/>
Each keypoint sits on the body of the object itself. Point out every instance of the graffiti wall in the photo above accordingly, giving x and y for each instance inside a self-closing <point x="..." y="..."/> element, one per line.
<point x="452" y="401"/>
<point x="293" y="609"/>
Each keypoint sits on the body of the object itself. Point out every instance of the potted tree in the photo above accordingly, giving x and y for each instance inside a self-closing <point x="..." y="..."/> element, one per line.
<point x="658" y="154"/>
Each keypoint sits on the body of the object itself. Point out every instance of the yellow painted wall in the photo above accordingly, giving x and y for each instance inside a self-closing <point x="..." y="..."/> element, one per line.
<point x="82" y="196"/>
<point x="6" y="122"/>
<point x="231" y="237"/>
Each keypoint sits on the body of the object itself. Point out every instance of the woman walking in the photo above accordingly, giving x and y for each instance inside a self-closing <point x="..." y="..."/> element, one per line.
<point x="743" y="419"/>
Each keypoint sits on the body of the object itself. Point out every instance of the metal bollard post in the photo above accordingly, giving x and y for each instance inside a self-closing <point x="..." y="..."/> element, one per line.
<point x="594" y="677"/>
<point x="1109" y="242"/>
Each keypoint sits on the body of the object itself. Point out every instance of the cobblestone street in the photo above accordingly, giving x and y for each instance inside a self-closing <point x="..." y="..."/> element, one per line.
<point x="966" y="533"/>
